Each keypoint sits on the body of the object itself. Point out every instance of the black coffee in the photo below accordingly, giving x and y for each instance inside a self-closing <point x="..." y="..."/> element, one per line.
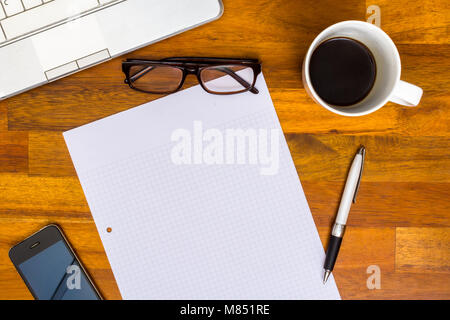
<point x="342" y="71"/>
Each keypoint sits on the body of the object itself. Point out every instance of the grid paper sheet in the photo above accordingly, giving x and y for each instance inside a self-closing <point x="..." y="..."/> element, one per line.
<point x="197" y="231"/>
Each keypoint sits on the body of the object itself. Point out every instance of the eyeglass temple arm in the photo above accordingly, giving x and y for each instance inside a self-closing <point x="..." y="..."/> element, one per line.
<point x="140" y="74"/>
<point x="236" y="77"/>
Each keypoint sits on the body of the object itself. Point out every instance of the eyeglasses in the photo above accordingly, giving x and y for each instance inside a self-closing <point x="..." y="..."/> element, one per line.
<point x="215" y="75"/>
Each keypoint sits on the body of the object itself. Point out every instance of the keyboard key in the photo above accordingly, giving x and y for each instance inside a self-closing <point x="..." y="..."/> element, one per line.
<point x="12" y="7"/>
<point x="93" y="58"/>
<point x="44" y="15"/>
<point x="61" y="70"/>
<point x="28" y="4"/>
<point x="2" y="13"/>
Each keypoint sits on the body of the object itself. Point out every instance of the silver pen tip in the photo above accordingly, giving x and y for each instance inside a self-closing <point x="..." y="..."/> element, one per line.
<point x="326" y="275"/>
<point x="361" y="150"/>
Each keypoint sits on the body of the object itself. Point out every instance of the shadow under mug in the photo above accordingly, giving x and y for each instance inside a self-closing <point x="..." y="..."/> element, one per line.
<point x="387" y="86"/>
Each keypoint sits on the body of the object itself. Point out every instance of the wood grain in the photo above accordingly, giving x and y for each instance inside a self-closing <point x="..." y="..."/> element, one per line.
<point x="423" y="250"/>
<point x="21" y="192"/>
<point x="394" y="285"/>
<point x="13" y="151"/>
<point x="383" y="204"/>
<point x="49" y="155"/>
<point x="389" y="158"/>
<point x="3" y="117"/>
<point x="415" y="21"/>
<point x="401" y="219"/>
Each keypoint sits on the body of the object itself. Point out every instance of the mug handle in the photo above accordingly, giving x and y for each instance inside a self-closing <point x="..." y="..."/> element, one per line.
<point x="406" y="94"/>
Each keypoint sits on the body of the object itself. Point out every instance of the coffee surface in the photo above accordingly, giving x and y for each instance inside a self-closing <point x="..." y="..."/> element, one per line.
<point x="342" y="71"/>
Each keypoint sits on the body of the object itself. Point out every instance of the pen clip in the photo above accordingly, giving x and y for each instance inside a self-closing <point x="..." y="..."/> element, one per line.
<point x="362" y="152"/>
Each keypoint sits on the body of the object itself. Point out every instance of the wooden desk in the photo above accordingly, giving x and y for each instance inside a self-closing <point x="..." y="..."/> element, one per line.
<point x="401" y="219"/>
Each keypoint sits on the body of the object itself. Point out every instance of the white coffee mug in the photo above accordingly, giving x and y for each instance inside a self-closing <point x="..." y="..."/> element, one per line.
<point x="387" y="86"/>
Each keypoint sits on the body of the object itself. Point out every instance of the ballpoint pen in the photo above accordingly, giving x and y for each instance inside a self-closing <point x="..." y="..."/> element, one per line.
<point x="350" y="191"/>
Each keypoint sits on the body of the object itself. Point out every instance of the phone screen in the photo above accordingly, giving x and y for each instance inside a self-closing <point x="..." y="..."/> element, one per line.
<point x="54" y="273"/>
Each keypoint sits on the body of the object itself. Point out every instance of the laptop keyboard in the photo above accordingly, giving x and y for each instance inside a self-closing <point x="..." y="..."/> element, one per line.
<point x="21" y="18"/>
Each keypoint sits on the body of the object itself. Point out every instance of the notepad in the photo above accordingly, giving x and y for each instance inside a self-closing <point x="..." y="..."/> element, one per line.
<point x="200" y="229"/>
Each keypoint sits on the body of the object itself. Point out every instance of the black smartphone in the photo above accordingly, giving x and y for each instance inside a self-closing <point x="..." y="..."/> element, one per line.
<point x="50" y="268"/>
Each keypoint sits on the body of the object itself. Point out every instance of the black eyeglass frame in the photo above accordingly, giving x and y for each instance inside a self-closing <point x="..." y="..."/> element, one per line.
<point x="194" y="65"/>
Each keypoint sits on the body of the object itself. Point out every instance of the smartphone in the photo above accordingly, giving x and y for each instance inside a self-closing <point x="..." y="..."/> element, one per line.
<point x="50" y="268"/>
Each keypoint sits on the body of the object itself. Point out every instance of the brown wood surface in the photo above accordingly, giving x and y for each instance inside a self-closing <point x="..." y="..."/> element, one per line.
<point x="401" y="219"/>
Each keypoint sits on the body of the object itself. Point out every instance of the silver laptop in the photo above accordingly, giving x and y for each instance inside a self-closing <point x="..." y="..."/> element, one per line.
<point x="44" y="40"/>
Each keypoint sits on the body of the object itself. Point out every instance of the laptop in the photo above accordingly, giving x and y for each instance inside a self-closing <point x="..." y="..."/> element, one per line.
<point x="44" y="40"/>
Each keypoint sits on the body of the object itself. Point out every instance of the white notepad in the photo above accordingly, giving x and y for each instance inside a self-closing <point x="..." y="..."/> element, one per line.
<point x="198" y="231"/>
